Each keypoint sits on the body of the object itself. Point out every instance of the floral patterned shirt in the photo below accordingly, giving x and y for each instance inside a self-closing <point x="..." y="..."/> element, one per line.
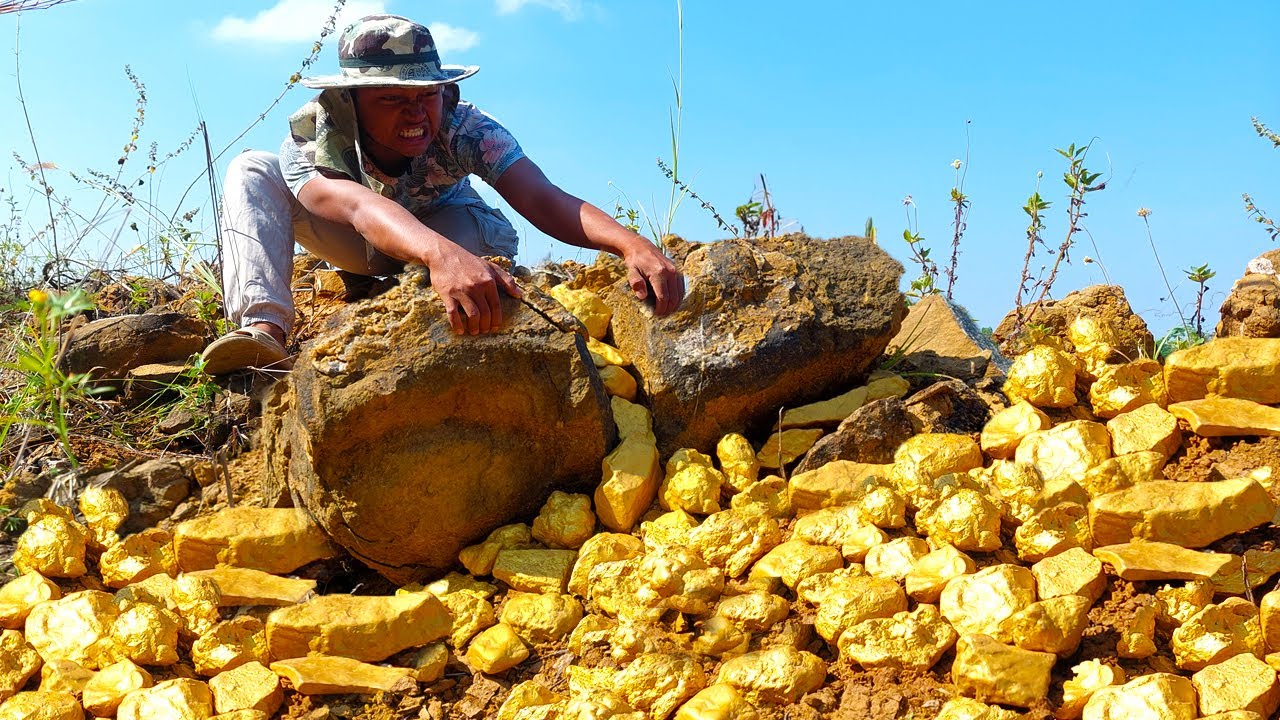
<point x="470" y="142"/>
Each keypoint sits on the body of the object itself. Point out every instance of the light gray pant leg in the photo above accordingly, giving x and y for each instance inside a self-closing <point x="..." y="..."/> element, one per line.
<point x="257" y="241"/>
<point x="261" y="221"/>
<point x="478" y="230"/>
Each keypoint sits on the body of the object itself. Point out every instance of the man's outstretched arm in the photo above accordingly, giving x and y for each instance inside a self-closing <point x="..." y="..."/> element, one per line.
<point x="577" y="222"/>
<point x="468" y="285"/>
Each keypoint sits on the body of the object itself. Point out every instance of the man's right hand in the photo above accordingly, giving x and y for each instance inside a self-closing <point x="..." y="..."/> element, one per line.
<point x="468" y="287"/>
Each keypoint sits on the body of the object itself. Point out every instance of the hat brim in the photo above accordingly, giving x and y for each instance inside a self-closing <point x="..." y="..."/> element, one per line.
<point x="451" y="73"/>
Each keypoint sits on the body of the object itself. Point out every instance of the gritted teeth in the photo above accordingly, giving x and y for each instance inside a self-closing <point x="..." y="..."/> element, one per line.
<point x="412" y="133"/>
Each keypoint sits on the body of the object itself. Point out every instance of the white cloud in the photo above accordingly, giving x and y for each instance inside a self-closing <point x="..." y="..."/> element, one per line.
<point x="569" y="9"/>
<point x="450" y="39"/>
<point x="292" y="21"/>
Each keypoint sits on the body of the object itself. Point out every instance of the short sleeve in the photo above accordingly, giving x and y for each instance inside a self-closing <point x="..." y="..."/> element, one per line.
<point x="295" y="166"/>
<point x="481" y="144"/>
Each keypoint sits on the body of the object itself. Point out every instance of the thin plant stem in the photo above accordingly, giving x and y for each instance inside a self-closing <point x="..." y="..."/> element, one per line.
<point x="1152" y="242"/>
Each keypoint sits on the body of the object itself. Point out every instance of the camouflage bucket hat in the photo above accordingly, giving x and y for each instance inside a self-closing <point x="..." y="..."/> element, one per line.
<point x="388" y="50"/>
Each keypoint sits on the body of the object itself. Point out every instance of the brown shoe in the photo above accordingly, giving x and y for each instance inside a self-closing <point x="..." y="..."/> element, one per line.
<point x="248" y="347"/>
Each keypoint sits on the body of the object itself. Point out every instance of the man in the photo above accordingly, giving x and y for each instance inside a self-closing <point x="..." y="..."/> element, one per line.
<point x="375" y="175"/>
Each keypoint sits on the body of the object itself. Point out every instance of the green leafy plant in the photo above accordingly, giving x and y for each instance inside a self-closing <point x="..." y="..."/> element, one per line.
<point x="1178" y="338"/>
<point x="927" y="282"/>
<point x="960" y="221"/>
<point x="1269" y="225"/>
<point x="1200" y="275"/>
<point x="48" y="393"/>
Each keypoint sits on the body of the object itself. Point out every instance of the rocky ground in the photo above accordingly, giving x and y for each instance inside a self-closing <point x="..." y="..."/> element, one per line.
<point x="795" y="507"/>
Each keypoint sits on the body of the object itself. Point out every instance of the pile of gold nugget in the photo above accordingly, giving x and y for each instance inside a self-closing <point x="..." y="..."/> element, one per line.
<point x="719" y="590"/>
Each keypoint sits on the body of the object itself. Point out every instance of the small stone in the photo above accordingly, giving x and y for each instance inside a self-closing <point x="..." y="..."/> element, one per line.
<point x="540" y="618"/>
<point x="1228" y="417"/>
<point x="535" y="570"/>
<point x="633" y="421"/>
<point x="1071" y="572"/>
<point x="179" y="699"/>
<point x="147" y="634"/>
<point x="64" y="676"/>
<point x="1090" y="675"/>
<point x="913" y="640"/>
<point x="931" y="573"/>
<point x="367" y="628"/>
<point x="104" y="691"/>
<point x="53" y="547"/>
<point x="1159" y="696"/>
<point x="839" y="482"/>
<point x="243" y="586"/>
<point x="1096" y="340"/>
<point x="815" y="589"/>
<point x="838" y="527"/>
<point x="1053" y="530"/>
<point x="33" y="510"/>
<point x="1121" y="388"/>
<point x="782" y="448"/>
<point x="963" y="518"/>
<point x="1216" y="633"/>
<point x="457" y="582"/>
<point x="717" y="702"/>
<point x="855" y="599"/>
<point x="586" y="306"/>
<point x="1270" y="615"/>
<point x="496" y="649"/>
<point x="770" y="495"/>
<point x="137" y="558"/>
<point x="565" y="521"/>
<point x="328" y="675"/>
<point x="249" y="687"/>
<point x="1146" y="428"/>
<point x="156" y="589"/>
<point x="1138" y="634"/>
<point x="603" y="354"/>
<point x="1042" y="376"/>
<point x="658" y="683"/>
<point x="737" y="461"/>
<point x="471" y="614"/>
<point x="1121" y="472"/>
<point x="721" y="636"/>
<point x="20" y="595"/>
<point x="692" y="488"/>
<point x="893" y="560"/>
<point x="1178" y="604"/>
<point x="993" y="672"/>
<point x="524" y="695"/>
<point x="668" y="529"/>
<point x="18" y="662"/>
<point x="600" y="548"/>
<point x="41" y="706"/>
<point x="229" y="645"/>
<point x="1019" y="485"/>
<point x="978" y="603"/>
<point x="959" y="708"/>
<point x="618" y="382"/>
<point x="825" y="413"/>
<point x="1146" y="560"/>
<point x="778" y="675"/>
<point x="796" y="560"/>
<point x="1243" y="682"/>
<point x="429" y="663"/>
<point x="755" y="611"/>
<point x="76" y="628"/>
<point x="926" y="457"/>
<point x="1190" y="514"/>
<point x="1231" y="367"/>
<point x="104" y="510"/>
<point x="734" y="539"/>
<point x="1006" y="429"/>
<point x="1054" y="625"/>
<point x="1066" y="450"/>
<point x="274" y="540"/>
<point x="197" y="600"/>
<point x="631" y="478"/>
<point x="478" y="559"/>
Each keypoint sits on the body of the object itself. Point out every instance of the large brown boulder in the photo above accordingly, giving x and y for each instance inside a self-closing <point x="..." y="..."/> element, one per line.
<point x="1253" y="307"/>
<point x="939" y="337"/>
<point x="113" y="346"/>
<point x="406" y="442"/>
<point x="765" y="323"/>
<point x="1104" y="303"/>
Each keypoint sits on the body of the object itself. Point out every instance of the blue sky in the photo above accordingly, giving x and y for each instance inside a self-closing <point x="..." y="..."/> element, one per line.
<point x="846" y="107"/>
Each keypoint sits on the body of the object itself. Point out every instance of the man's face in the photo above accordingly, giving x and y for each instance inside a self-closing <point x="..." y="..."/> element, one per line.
<point x="401" y="120"/>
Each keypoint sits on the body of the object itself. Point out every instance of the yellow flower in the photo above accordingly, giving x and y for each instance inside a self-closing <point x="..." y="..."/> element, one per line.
<point x="38" y="297"/>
